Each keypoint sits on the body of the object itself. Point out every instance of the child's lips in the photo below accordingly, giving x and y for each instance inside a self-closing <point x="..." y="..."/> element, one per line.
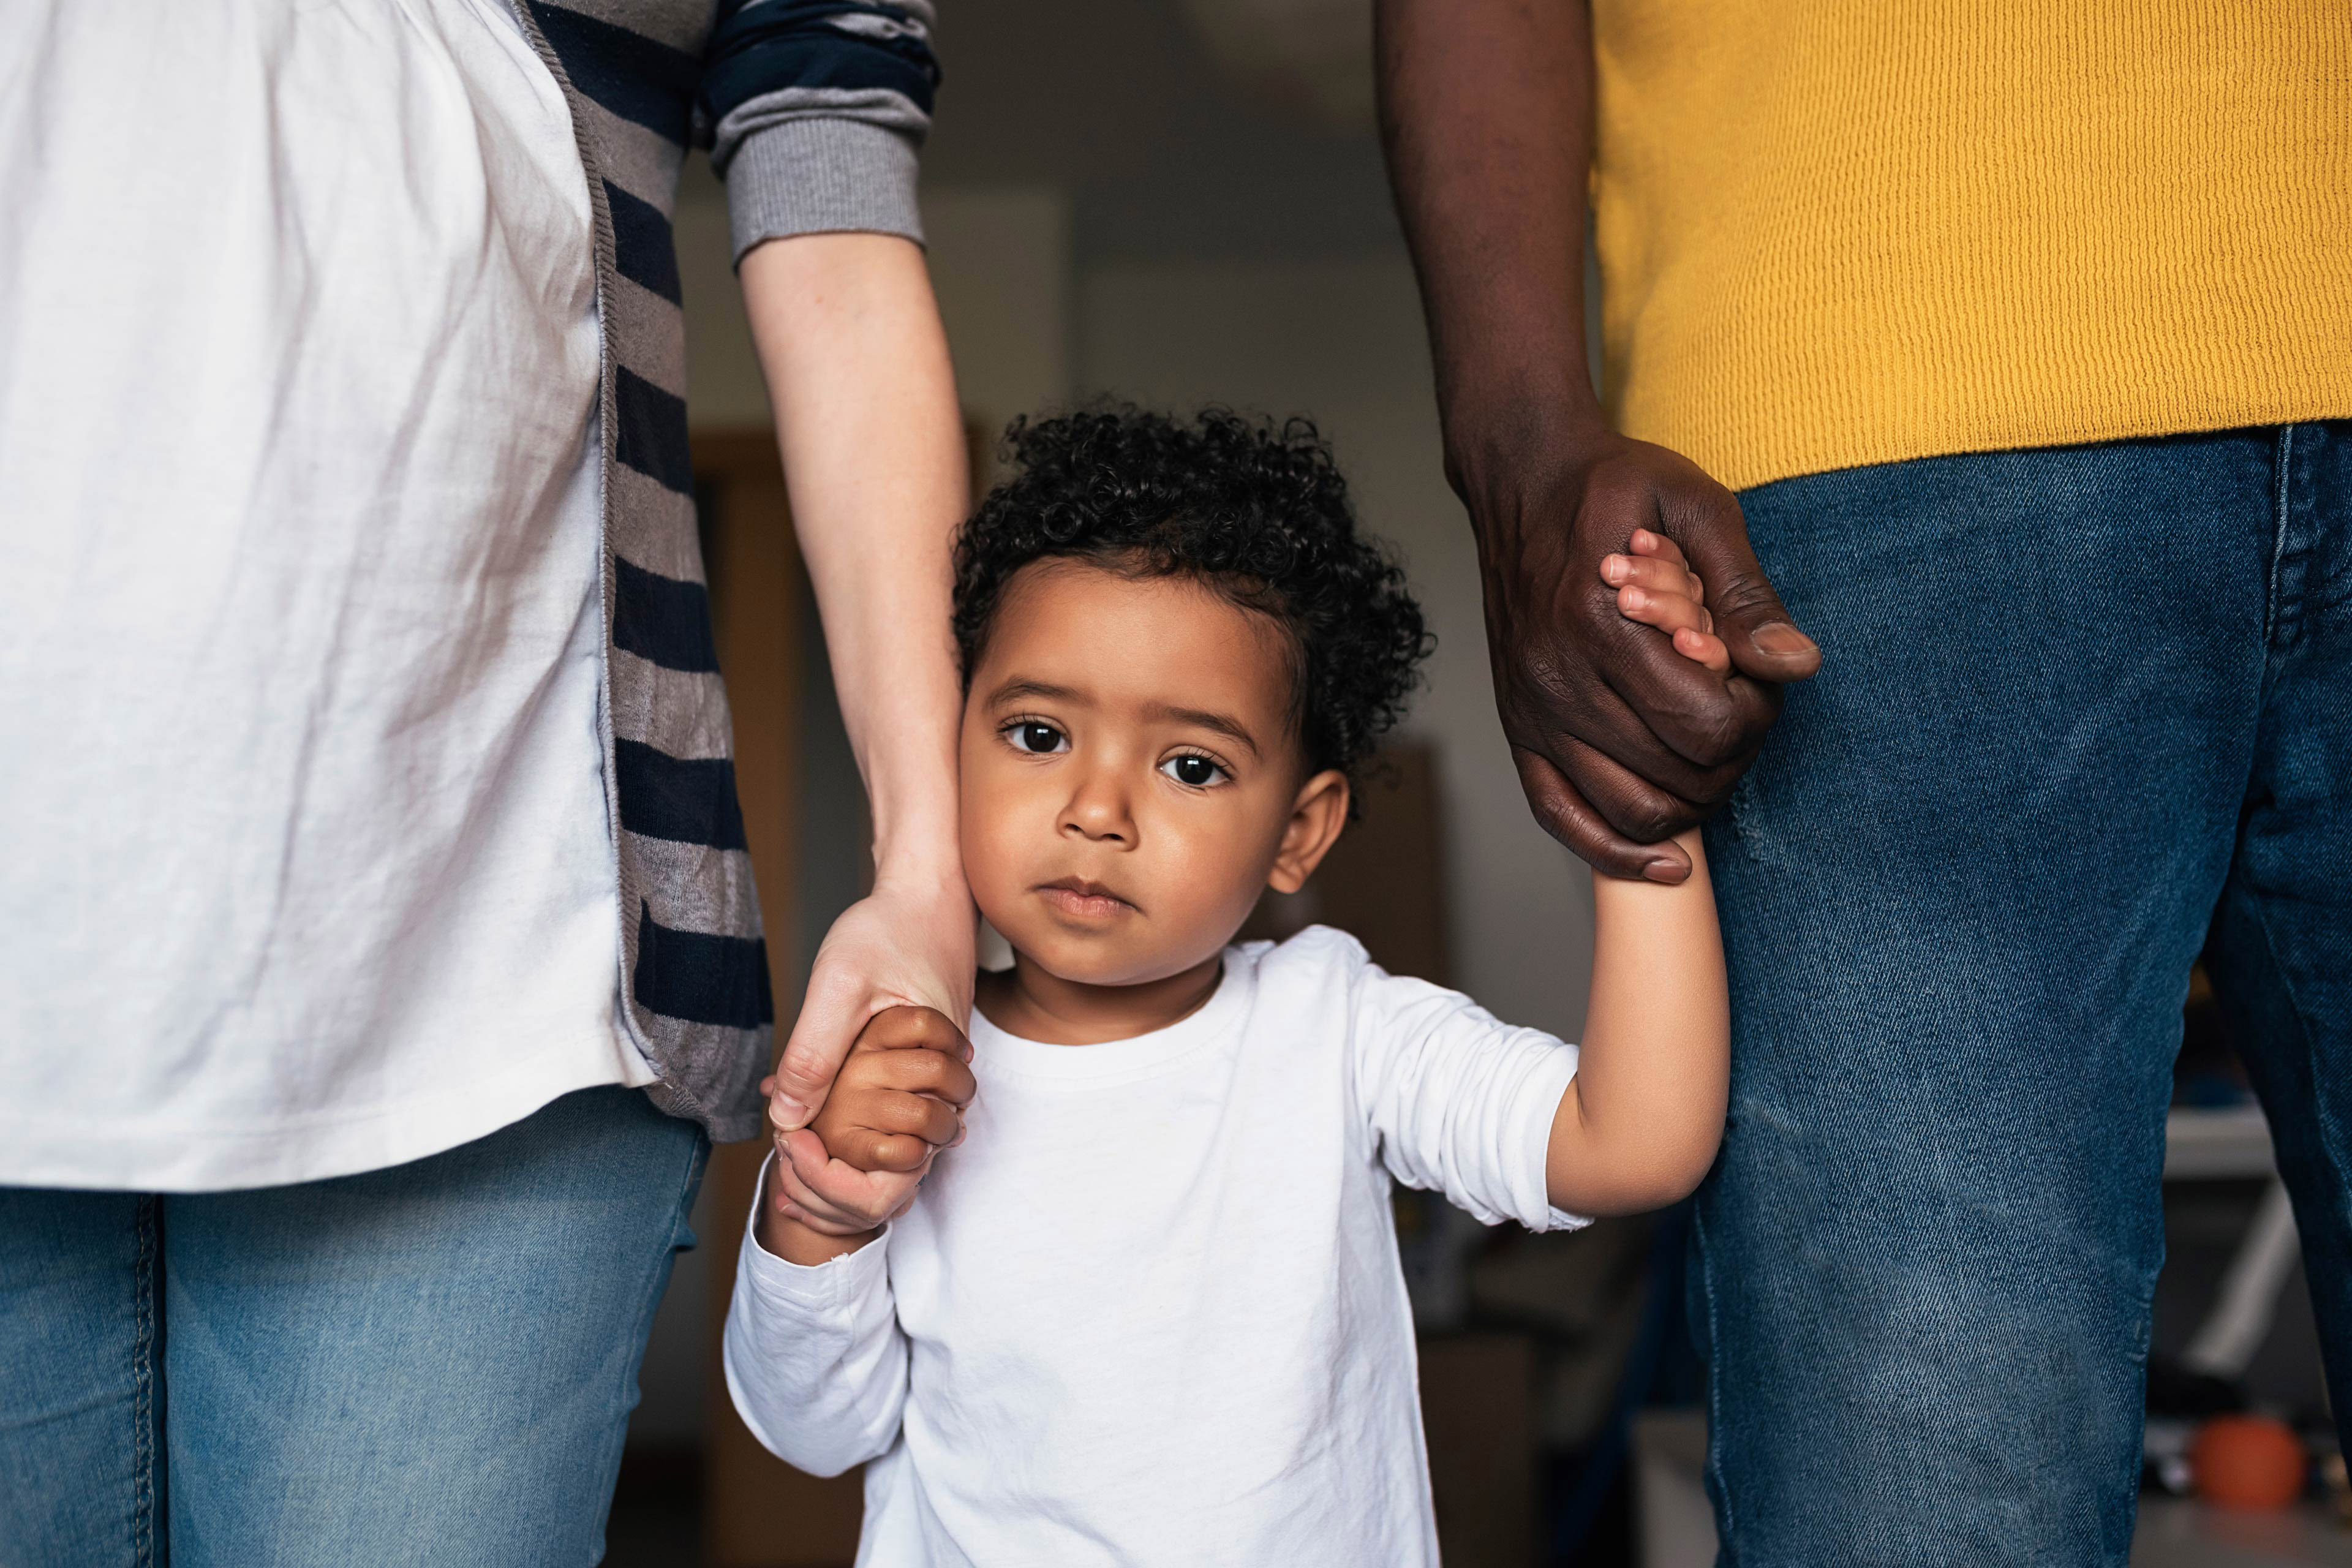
<point x="1082" y="899"/>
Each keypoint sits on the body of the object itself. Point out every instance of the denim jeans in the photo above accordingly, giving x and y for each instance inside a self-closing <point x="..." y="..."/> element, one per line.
<point x="431" y="1364"/>
<point x="2077" y="708"/>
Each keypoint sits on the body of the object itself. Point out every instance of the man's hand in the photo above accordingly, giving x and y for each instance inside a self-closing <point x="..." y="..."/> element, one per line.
<point x="1487" y="115"/>
<point x="896" y="1102"/>
<point x="1620" y="741"/>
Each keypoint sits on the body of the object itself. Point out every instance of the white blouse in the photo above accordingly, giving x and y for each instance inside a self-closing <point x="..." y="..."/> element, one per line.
<point x="304" y="860"/>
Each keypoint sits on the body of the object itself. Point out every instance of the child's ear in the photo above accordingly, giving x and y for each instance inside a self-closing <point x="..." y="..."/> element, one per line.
<point x="1317" y="815"/>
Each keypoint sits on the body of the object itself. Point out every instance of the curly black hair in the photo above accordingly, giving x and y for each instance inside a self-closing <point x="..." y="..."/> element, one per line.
<point x="1254" y="510"/>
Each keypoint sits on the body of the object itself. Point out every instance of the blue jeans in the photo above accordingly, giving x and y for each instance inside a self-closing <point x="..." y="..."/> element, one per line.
<point x="433" y="1364"/>
<point x="2077" y="707"/>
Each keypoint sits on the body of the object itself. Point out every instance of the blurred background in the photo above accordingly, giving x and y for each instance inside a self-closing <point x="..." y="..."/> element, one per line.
<point x="1180" y="202"/>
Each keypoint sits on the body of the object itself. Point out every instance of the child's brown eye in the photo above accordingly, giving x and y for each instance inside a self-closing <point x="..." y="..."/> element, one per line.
<point x="1198" y="771"/>
<point x="1029" y="735"/>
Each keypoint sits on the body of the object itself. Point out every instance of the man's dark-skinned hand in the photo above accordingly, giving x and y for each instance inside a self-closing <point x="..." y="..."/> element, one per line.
<point x="1485" y="112"/>
<point x="1618" y="740"/>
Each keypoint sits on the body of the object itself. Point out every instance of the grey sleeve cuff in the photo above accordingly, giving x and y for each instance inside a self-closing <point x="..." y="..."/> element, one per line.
<point x="821" y="174"/>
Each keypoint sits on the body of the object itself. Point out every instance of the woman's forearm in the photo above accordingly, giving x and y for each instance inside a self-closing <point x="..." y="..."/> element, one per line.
<point x="856" y="363"/>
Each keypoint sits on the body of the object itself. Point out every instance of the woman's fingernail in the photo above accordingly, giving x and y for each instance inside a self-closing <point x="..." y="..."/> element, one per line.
<point x="787" y="1113"/>
<point x="1780" y="636"/>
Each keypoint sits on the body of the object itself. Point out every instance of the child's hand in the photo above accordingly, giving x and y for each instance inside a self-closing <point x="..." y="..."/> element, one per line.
<point x="1656" y="588"/>
<point x="901" y="1095"/>
<point x="899" y="1100"/>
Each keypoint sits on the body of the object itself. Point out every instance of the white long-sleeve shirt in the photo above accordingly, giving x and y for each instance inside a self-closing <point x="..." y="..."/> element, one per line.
<point x="1151" y="1311"/>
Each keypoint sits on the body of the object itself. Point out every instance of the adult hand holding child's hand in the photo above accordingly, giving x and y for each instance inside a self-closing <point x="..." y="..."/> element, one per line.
<point x="898" y="1102"/>
<point x="1619" y="743"/>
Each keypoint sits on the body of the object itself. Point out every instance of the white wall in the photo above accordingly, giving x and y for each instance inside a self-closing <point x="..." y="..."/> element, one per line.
<point x="1342" y="342"/>
<point x="1000" y="263"/>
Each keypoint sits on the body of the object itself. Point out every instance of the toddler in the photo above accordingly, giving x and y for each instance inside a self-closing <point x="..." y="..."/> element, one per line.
<point x="1149" y="1309"/>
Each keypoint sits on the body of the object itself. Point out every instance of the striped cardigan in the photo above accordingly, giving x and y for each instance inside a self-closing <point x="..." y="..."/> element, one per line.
<point x="813" y="111"/>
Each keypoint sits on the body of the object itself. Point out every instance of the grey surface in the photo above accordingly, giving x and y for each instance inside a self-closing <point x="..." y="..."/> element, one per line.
<point x="1166" y="162"/>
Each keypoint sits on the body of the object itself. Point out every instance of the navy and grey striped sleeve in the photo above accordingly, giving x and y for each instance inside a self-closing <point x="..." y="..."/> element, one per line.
<point x="815" y="110"/>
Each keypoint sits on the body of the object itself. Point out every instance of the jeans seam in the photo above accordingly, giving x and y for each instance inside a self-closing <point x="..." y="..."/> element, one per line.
<point x="1714" y="1382"/>
<point x="142" y="1381"/>
<point x="2343" y="1177"/>
<point x="2282" y="510"/>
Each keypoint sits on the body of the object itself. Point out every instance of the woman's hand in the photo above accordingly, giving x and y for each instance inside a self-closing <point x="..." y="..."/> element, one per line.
<point x="908" y="944"/>
<point x="896" y="1102"/>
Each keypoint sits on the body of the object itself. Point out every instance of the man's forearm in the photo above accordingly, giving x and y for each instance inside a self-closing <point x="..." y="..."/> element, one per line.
<point x="1486" y="112"/>
<point x="1486" y="108"/>
<point x="857" y="364"/>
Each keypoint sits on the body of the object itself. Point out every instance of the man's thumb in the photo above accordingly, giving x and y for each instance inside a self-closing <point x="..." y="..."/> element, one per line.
<point x="1762" y="638"/>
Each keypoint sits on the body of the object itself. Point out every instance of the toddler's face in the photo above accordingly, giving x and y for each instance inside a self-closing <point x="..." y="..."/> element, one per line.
<point x="1130" y="777"/>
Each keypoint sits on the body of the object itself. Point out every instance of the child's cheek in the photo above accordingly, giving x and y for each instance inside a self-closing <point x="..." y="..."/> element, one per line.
<point x="992" y="855"/>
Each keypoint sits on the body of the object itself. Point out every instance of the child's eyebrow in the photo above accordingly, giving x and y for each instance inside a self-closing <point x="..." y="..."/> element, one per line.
<point x="1204" y="718"/>
<point x="1040" y="688"/>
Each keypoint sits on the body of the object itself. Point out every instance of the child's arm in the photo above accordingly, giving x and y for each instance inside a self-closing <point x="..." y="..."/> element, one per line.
<point x="1640" y="1123"/>
<point x="815" y="1362"/>
<point x="814" y="1359"/>
<point x="1641" y="1120"/>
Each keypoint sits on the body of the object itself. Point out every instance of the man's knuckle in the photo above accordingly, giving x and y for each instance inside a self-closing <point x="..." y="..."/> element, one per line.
<point x="1650" y="820"/>
<point x="1747" y="597"/>
<point x="1719" y="737"/>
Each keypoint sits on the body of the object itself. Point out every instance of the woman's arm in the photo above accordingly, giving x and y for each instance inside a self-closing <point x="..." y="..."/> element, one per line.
<point x="856" y="363"/>
<point x="1641" y="1119"/>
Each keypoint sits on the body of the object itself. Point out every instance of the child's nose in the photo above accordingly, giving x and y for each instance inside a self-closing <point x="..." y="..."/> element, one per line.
<point x="1099" y="810"/>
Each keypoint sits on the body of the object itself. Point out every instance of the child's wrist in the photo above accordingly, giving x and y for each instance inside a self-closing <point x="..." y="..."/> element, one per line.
<point x="803" y="1244"/>
<point x="780" y="1235"/>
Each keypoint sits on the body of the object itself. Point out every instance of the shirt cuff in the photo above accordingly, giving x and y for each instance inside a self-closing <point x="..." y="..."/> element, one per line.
<point x="822" y="176"/>
<point x="1540" y="1097"/>
<point x="811" y="1288"/>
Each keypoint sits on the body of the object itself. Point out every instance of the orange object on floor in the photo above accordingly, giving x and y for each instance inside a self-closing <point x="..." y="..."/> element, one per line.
<point x="2247" y="1461"/>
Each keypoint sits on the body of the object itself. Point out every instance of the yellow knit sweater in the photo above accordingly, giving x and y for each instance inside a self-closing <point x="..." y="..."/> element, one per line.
<point x="1837" y="232"/>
